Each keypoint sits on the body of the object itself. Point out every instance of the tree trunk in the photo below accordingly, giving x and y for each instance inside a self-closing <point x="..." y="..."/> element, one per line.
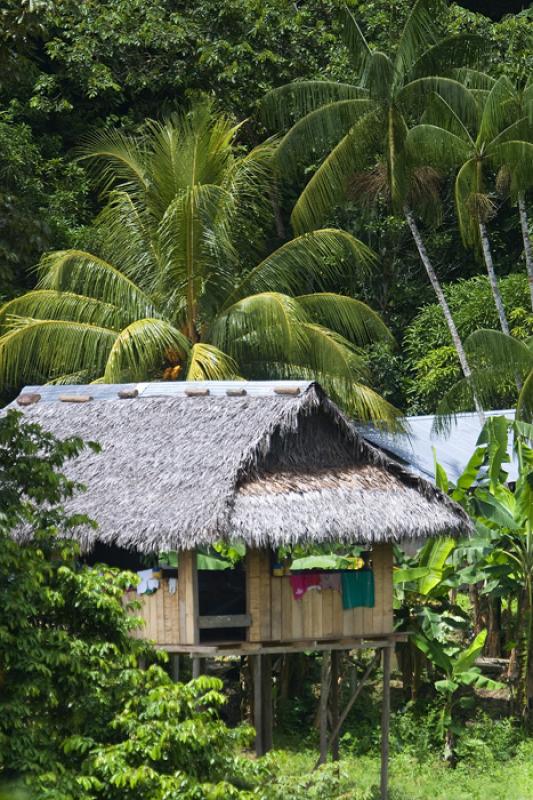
<point x="493" y="280"/>
<point x="432" y="275"/>
<point x="522" y="210"/>
<point x="493" y="644"/>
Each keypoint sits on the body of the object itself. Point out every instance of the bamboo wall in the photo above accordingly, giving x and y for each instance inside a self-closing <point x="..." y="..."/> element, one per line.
<point x="275" y="615"/>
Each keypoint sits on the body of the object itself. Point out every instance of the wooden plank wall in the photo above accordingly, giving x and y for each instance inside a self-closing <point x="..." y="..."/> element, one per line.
<point x="160" y="612"/>
<point x="277" y="616"/>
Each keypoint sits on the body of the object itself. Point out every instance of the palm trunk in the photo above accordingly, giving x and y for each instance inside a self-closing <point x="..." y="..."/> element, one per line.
<point x="522" y="210"/>
<point x="432" y="275"/>
<point x="493" y="280"/>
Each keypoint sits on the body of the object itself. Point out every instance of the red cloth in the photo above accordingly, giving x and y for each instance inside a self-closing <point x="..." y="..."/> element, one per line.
<point x="302" y="583"/>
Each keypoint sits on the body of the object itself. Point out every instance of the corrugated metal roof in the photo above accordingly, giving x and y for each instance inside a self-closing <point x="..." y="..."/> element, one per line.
<point x="109" y="391"/>
<point x="453" y="449"/>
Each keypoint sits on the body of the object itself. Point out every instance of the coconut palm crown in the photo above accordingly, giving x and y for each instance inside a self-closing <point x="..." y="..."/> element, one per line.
<point x="351" y="122"/>
<point x="167" y="292"/>
<point x="499" y="138"/>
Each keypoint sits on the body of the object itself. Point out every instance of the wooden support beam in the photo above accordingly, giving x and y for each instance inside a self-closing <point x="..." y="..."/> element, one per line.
<point x="257" y="679"/>
<point x="385" y="723"/>
<point x="351" y="701"/>
<point x="198" y="665"/>
<point x="174" y="666"/>
<point x="188" y="597"/>
<point x="225" y="621"/>
<point x="266" y="692"/>
<point x="325" y="682"/>
<point x="334" y="700"/>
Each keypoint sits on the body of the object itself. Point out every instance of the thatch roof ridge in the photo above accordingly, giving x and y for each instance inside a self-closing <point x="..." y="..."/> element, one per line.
<point x="313" y="398"/>
<point x="175" y="469"/>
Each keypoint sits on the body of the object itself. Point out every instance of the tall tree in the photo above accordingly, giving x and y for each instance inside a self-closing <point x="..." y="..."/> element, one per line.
<point x="351" y="122"/>
<point x="498" y="138"/>
<point x="167" y="289"/>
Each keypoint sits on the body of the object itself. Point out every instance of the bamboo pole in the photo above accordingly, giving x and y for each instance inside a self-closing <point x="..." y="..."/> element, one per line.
<point x="385" y="723"/>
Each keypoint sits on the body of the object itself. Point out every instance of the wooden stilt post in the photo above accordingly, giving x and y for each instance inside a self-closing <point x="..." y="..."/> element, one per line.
<point x="258" y="704"/>
<point x="266" y="692"/>
<point x="197" y="667"/>
<point x="357" y="691"/>
<point x="324" y="696"/>
<point x="334" y="704"/>
<point x="174" y="666"/>
<point x="385" y="722"/>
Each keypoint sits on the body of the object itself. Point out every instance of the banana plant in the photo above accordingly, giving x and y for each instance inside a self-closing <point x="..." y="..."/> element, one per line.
<point x="460" y="672"/>
<point x="503" y="515"/>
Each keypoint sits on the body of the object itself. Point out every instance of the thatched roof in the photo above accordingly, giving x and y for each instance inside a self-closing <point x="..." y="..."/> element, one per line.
<point x="267" y="463"/>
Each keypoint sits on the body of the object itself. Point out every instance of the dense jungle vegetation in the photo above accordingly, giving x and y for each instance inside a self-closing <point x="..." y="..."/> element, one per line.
<point x="267" y="189"/>
<point x="74" y="73"/>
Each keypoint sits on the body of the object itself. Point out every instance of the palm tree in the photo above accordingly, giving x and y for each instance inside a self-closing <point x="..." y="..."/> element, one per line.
<point x="351" y="122"/>
<point x="499" y="139"/>
<point x="496" y="360"/>
<point x="516" y="165"/>
<point x="168" y="293"/>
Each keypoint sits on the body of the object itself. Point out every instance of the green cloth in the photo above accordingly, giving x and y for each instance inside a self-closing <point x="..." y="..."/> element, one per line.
<point x="358" y="588"/>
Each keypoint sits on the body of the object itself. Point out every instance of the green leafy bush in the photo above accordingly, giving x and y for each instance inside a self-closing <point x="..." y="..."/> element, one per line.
<point x="79" y="720"/>
<point x="430" y="356"/>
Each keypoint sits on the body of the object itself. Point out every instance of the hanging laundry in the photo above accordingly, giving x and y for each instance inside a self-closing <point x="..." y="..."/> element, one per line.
<point x="330" y="580"/>
<point x="357" y="588"/>
<point x="302" y="583"/>
<point x="147" y="583"/>
<point x="172" y="585"/>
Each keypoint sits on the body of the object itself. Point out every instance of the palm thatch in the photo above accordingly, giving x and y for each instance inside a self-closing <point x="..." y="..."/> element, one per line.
<point x="189" y="464"/>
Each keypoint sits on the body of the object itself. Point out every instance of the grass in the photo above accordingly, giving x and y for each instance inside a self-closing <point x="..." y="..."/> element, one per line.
<point x="356" y="777"/>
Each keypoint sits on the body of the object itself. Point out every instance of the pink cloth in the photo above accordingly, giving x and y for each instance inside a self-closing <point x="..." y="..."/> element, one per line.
<point x="300" y="584"/>
<point x="330" y="580"/>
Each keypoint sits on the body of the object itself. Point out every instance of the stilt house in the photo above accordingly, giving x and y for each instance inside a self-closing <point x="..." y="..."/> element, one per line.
<point x="271" y="466"/>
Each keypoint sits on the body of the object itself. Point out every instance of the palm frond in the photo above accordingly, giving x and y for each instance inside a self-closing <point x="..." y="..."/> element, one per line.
<point x="266" y="325"/>
<point x="35" y="350"/>
<point x="318" y="257"/>
<point x="379" y="77"/>
<point x="459" y="51"/>
<point x="84" y="273"/>
<point x="397" y="162"/>
<point x="186" y="151"/>
<point x="208" y="363"/>
<point x="354" y="40"/>
<point x="350" y="318"/>
<point x="438" y="112"/>
<point x="498" y="106"/>
<point x="517" y="157"/>
<point x="414" y="96"/>
<point x="435" y="146"/>
<point x="140" y="349"/>
<point x="499" y="350"/>
<point x="48" y="304"/>
<point x="318" y="131"/>
<point x="419" y="33"/>
<point x="116" y="160"/>
<point x="328" y="185"/>
<point x="469" y="203"/>
<point x="282" y="106"/>
<point x="474" y="79"/>
<point x="524" y="406"/>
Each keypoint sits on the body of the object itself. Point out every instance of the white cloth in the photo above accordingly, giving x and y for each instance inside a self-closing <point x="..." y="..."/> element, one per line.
<point x="172" y="585"/>
<point x="146" y="583"/>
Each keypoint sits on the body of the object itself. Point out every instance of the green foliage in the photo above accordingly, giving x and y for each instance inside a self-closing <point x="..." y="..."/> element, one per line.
<point x="78" y="719"/>
<point x="171" y="288"/>
<point x="427" y="342"/>
<point x="43" y="200"/>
